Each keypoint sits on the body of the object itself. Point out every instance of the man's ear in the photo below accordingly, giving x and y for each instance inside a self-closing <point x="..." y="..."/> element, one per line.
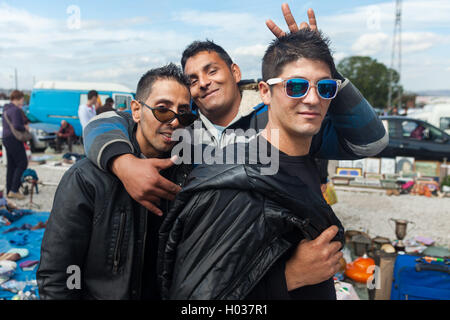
<point x="236" y="71"/>
<point x="265" y="93"/>
<point x="136" y="111"/>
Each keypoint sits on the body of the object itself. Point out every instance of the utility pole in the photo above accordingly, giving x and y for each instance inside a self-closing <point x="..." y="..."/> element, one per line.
<point x="15" y="76"/>
<point x="396" y="57"/>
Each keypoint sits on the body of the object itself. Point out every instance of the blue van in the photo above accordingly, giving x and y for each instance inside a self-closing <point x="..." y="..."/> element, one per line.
<point x="54" y="101"/>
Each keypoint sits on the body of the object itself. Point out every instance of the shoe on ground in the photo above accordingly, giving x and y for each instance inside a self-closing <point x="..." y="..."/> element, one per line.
<point x="16" y="195"/>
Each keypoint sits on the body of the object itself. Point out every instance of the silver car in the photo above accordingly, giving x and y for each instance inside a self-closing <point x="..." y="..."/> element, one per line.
<point x="44" y="135"/>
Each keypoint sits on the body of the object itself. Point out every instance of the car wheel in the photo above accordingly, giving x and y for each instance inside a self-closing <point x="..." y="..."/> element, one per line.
<point x="34" y="149"/>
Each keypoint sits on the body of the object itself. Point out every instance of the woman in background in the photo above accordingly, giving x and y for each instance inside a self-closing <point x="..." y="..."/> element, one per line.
<point x="15" y="150"/>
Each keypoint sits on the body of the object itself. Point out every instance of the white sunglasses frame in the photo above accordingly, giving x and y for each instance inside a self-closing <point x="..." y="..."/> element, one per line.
<point x="274" y="81"/>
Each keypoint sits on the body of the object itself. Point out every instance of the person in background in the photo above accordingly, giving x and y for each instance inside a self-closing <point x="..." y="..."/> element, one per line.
<point x="66" y="133"/>
<point x="15" y="150"/>
<point x="87" y="111"/>
<point x="122" y="107"/>
<point x="98" y="104"/>
<point x="108" y="106"/>
<point x="418" y="133"/>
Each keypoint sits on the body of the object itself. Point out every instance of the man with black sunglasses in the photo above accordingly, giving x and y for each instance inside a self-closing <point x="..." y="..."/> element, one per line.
<point x="351" y="129"/>
<point x="99" y="243"/>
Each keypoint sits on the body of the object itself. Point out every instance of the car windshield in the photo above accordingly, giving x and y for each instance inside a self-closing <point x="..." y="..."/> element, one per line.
<point x="444" y="123"/>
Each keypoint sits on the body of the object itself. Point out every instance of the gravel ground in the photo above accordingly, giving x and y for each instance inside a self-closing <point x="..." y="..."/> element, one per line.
<point x="371" y="211"/>
<point x="365" y="211"/>
<point x="50" y="177"/>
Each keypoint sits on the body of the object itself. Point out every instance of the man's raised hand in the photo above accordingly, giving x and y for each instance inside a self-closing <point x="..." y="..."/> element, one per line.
<point x="291" y="23"/>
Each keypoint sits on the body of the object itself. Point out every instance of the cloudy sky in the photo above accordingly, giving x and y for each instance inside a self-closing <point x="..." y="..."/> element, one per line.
<point x="114" y="41"/>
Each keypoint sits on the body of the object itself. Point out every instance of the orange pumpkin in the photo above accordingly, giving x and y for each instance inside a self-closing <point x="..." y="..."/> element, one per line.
<point x="357" y="270"/>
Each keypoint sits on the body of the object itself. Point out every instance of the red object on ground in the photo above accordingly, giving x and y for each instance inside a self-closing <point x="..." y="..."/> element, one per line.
<point x="358" y="269"/>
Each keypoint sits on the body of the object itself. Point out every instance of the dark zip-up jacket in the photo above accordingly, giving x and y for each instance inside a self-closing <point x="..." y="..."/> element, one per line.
<point x="16" y="116"/>
<point x="229" y="225"/>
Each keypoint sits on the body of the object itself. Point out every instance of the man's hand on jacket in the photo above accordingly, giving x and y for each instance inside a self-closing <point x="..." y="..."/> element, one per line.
<point x="291" y="23"/>
<point x="142" y="180"/>
<point x="314" y="261"/>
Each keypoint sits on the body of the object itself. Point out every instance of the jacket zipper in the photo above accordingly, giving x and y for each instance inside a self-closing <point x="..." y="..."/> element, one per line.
<point x="139" y="286"/>
<point x="301" y="224"/>
<point x="119" y="241"/>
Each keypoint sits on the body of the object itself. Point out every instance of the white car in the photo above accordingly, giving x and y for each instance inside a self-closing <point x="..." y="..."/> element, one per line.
<point x="435" y="114"/>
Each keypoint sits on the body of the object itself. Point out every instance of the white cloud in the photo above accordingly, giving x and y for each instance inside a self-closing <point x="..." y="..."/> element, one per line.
<point x="100" y="50"/>
<point x="370" y="43"/>
<point x="256" y="50"/>
<point x="221" y="20"/>
<point x="338" y="56"/>
<point x="13" y="20"/>
<point x="419" y="41"/>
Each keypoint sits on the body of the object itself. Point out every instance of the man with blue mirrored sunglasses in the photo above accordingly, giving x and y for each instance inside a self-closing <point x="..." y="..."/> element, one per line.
<point x="235" y="233"/>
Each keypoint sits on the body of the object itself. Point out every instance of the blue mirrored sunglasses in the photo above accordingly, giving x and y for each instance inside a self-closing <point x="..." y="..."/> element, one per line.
<point x="298" y="87"/>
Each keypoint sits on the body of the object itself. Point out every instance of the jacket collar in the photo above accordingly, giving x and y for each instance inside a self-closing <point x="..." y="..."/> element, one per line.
<point x="245" y="109"/>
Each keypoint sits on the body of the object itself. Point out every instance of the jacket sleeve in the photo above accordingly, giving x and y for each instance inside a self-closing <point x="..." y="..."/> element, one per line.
<point x="351" y="129"/>
<point x="107" y="136"/>
<point x="66" y="238"/>
<point x="16" y="118"/>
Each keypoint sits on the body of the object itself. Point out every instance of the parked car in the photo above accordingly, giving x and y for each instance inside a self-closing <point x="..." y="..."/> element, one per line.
<point x="44" y="135"/>
<point x="410" y="137"/>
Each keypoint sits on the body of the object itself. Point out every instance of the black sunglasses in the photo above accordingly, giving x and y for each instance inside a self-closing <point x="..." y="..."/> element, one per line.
<point x="165" y="115"/>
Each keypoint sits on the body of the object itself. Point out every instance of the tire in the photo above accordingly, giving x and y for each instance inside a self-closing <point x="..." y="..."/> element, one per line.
<point x="34" y="149"/>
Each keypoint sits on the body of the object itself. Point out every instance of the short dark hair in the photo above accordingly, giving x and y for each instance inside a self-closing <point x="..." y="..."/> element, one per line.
<point x="304" y="43"/>
<point x="200" y="46"/>
<point x="170" y="71"/>
<point x="92" y="93"/>
<point x="16" y="95"/>
<point x="109" y="101"/>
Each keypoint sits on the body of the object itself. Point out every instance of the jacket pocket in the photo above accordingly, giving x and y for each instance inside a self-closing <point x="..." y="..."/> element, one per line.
<point x="119" y="240"/>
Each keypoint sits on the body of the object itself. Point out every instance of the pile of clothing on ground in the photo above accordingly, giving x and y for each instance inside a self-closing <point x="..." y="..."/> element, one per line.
<point x="21" y="233"/>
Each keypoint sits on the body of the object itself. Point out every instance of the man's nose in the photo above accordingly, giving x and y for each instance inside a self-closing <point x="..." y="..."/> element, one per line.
<point x="204" y="81"/>
<point x="312" y="97"/>
<point x="175" y="124"/>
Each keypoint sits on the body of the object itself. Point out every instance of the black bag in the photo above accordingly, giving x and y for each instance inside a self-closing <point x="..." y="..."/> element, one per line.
<point x="20" y="135"/>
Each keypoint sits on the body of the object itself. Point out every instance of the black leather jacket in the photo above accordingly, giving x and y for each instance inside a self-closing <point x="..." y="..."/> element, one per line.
<point x="95" y="225"/>
<point x="229" y="225"/>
